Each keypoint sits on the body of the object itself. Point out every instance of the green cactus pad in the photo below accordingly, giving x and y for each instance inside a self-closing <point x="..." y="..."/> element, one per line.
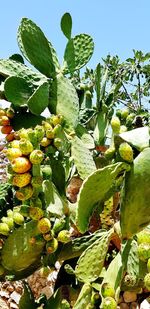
<point x="66" y="25"/>
<point x="26" y="120"/>
<point x="54" y="202"/>
<point x="18" y="253"/>
<point x="139" y="138"/>
<point x="135" y="196"/>
<point x="39" y="99"/>
<point x="84" y="297"/>
<point x="35" y="47"/>
<point x="17" y="90"/>
<point x="86" y="138"/>
<point x="64" y="101"/>
<point x="133" y="260"/>
<point x="90" y="263"/>
<point x="98" y="187"/>
<point x="82" y="157"/>
<point x="78" y="52"/>
<point x="100" y="128"/>
<point x="113" y="275"/>
<point x="10" y="67"/>
<point x="27" y="300"/>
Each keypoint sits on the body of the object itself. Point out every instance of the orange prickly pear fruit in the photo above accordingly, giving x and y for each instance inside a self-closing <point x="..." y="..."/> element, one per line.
<point x="36" y="213"/>
<point x="36" y="156"/>
<point x="10" y="137"/>
<point x="44" y="225"/>
<point x="25" y="146"/>
<point x="21" y="165"/>
<point x="4" y="121"/>
<point x="52" y="245"/>
<point x="6" y="129"/>
<point x="24" y="193"/>
<point x="21" y="180"/>
<point x="13" y="153"/>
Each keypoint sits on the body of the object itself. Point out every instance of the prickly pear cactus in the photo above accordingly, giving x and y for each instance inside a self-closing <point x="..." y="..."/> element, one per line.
<point x="84" y="297"/>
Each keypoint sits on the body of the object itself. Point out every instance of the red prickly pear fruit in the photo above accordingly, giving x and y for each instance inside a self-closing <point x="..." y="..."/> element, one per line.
<point x="36" y="156"/>
<point x="24" y="193"/>
<point x="147" y="282"/>
<point x="13" y="153"/>
<point x="10" y="113"/>
<point x="45" y="142"/>
<point x="115" y="124"/>
<point x="18" y="218"/>
<point x="10" y="137"/>
<point x="4" y="229"/>
<point x="25" y="146"/>
<point x="21" y="180"/>
<point x="109" y="303"/>
<point x="44" y="225"/>
<point x="36" y="213"/>
<point x="4" y="121"/>
<point x="63" y="236"/>
<point x="6" y="129"/>
<point x="21" y="165"/>
<point x="52" y="246"/>
<point x="126" y="152"/>
<point x="107" y="290"/>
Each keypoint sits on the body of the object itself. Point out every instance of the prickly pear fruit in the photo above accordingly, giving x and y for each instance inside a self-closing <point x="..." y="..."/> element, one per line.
<point x="2" y="112"/>
<point x="36" y="203"/>
<point x="109" y="303"/>
<point x="36" y="213"/>
<point x="24" y="193"/>
<point x="9" y="213"/>
<point x="2" y="270"/>
<point x="45" y="271"/>
<point x="44" y="225"/>
<point x="144" y="251"/>
<point x="4" y="229"/>
<point x="126" y="152"/>
<point x="13" y="153"/>
<point x="10" y="137"/>
<point x="124" y="113"/>
<point x="143" y="237"/>
<point x="58" y="225"/>
<point x="115" y="124"/>
<point x="6" y="129"/>
<point x="50" y="133"/>
<point x="36" y="182"/>
<point x="147" y="281"/>
<point x="21" y="180"/>
<point x="107" y="290"/>
<point x="21" y="165"/>
<point x="10" y="112"/>
<point x="123" y="129"/>
<point x="52" y="246"/>
<point x="23" y="133"/>
<point x="58" y="143"/>
<point x="64" y="236"/>
<point x="45" y="142"/>
<point x="4" y="121"/>
<point x="8" y="221"/>
<point x="15" y="144"/>
<point x="48" y="236"/>
<point x="129" y="280"/>
<point x="36" y="156"/>
<point x="109" y="153"/>
<point x="39" y="132"/>
<point x="25" y="146"/>
<point x="18" y="218"/>
<point x="56" y="119"/>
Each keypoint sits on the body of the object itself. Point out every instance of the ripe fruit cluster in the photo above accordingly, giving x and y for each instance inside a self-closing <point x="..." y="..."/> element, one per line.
<point x="5" y="122"/>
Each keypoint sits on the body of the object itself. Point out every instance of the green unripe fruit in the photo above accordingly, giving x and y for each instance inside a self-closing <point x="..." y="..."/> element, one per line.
<point x="36" y="213"/>
<point x="115" y="124"/>
<point x="36" y="203"/>
<point x="124" y="113"/>
<point x="36" y="182"/>
<point x="56" y="119"/>
<point x="10" y="213"/>
<point x="4" y="229"/>
<point x="58" y="225"/>
<point x="148" y="265"/>
<point x="18" y="218"/>
<point x="2" y="270"/>
<point x="44" y="225"/>
<point x="109" y="303"/>
<point x="64" y="236"/>
<point x="25" y="146"/>
<point x="143" y="237"/>
<point x="24" y="210"/>
<point x="58" y="143"/>
<point x="57" y="130"/>
<point x="9" y="222"/>
<point x="52" y="246"/>
<point x="107" y="290"/>
<point x="46" y="171"/>
<point x="129" y="120"/>
<point x="126" y="152"/>
<point x="32" y="136"/>
<point x="147" y="281"/>
<point x="45" y="271"/>
<point x="109" y="153"/>
<point x="25" y="193"/>
<point x="144" y="252"/>
<point x="118" y="113"/>
<point x="39" y="130"/>
<point x="36" y="156"/>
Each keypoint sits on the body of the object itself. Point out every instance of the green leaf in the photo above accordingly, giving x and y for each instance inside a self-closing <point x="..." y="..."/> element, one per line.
<point x="25" y="120"/>
<point x="98" y="187"/>
<point x="139" y="138"/>
<point x="27" y="298"/>
<point x="17" y="90"/>
<point x="90" y="263"/>
<point x="85" y="136"/>
<point x="39" y="99"/>
<point x="66" y="25"/>
<point x="82" y="157"/>
<point x="78" y="52"/>
<point x="64" y="101"/>
<point x="17" y="247"/>
<point x="54" y="202"/>
<point x="35" y="47"/>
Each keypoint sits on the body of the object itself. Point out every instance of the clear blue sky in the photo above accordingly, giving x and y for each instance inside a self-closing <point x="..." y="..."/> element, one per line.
<point x="117" y="26"/>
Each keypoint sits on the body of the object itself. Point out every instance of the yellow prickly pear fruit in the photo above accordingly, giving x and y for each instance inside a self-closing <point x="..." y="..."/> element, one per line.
<point x="148" y="265"/>
<point x="21" y="180"/>
<point x="50" y="133"/>
<point x="109" y="303"/>
<point x="56" y="119"/>
<point x="45" y="142"/>
<point x="2" y="112"/>
<point x="44" y="225"/>
<point x="21" y="165"/>
<point x="107" y="290"/>
<point x="18" y="218"/>
<point x="23" y="133"/>
<point x="36" y="213"/>
<point x="36" y="156"/>
<point x="52" y="246"/>
<point x="14" y="144"/>
<point x="4" y="229"/>
<point x="9" y="213"/>
<point x="126" y="152"/>
<point x="9" y="221"/>
<point x="25" y="146"/>
<point x="64" y="236"/>
<point x="115" y="124"/>
<point x="13" y="153"/>
<point x="24" y="193"/>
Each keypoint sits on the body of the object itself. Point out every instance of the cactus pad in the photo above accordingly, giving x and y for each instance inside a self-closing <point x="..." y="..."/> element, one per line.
<point x="84" y="297"/>
<point x="139" y="138"/>
<point x="17" y="90"/>
<point x="98" y="187"/>
<point x="54" y="202"/>
<point x="66" y="25"/>
<point x="39" y="99"/>
<point x="78" y="52"/>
